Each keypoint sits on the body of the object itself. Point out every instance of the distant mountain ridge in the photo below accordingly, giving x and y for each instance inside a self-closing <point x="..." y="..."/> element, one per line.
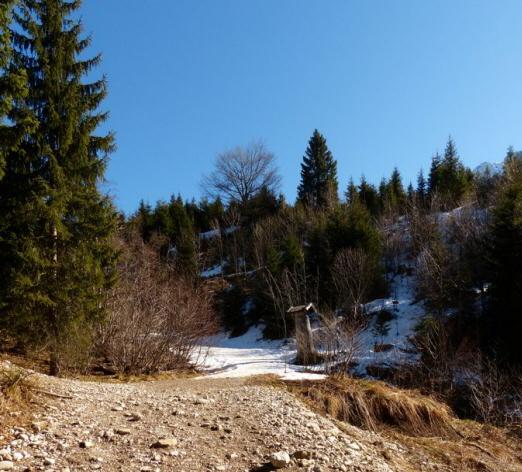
<point x="494" y="168"/>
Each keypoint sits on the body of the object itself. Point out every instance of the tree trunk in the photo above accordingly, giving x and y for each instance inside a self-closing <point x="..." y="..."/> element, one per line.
<point x="54" y="362"/>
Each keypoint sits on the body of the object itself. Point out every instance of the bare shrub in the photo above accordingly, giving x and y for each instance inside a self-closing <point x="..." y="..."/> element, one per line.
<point x="393" y="236"/>
<point x="470" y="230"/>
<point x="438" y="277"/>
<point x="494" y="394"/>
<point x="353" y="274"/>
<point x="290" y="288"/>
<point x="422" y="230"/>
<point x="436" y="368"/>
<point x="156" y="319"/>
<point x="337" y="339"/>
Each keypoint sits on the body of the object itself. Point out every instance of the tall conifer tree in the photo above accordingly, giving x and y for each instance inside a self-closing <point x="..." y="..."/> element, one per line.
<point x="454" y="181"/>
<point x="505" y="256"/>
<point x="434" y="175"/>
<point x="421" y="189"/>
<point x="56" y="260"/>
<point x="318" y="174"/>
<point x="14" y="122"/>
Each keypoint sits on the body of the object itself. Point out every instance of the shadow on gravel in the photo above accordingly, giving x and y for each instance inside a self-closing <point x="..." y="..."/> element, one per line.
<point x="263" y="468"/>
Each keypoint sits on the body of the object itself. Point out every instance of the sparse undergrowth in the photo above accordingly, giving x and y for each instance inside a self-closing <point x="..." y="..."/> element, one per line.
<point x="17" y="385"/>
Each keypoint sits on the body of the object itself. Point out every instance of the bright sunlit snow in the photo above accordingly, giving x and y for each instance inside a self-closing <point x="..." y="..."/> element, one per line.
<point x="392" y="324"/>
<point x="250" y="354"/>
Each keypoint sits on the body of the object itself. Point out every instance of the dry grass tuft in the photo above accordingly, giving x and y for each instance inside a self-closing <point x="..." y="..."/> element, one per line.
<point x="17" y="385"/>
<point x="374" y="405"/>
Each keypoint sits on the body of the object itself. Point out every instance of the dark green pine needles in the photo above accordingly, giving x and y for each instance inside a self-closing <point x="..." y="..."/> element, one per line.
<point x="318" y="174"/>
<point x="56" y="260"/>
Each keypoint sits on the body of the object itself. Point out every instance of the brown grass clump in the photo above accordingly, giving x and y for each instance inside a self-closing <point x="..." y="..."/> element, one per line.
<point x="17" y="385"/>
<point x="374" y="405"/>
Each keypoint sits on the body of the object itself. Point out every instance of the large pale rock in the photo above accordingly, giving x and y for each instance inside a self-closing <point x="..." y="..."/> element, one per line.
<point x="280" y="459"/>
<point x="6" y="465"/>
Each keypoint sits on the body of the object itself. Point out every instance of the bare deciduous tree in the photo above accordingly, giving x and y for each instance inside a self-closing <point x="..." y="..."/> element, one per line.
<point x="242" y="172"/>
<point x="338" y="341"/>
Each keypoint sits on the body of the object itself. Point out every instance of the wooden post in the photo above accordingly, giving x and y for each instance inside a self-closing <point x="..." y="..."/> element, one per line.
<point x="303" y="333"/>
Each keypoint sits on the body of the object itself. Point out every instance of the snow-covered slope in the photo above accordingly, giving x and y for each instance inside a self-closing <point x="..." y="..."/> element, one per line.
<point x="385" y="340"/>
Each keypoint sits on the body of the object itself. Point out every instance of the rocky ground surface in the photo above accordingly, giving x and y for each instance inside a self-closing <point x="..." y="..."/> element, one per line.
<point x="184" y="425"/>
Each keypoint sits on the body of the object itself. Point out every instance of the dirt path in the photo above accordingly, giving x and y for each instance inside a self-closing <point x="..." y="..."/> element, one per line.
<point x="209" y="425"/>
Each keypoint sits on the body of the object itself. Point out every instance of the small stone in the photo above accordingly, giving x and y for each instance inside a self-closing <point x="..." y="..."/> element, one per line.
<point x="123" y="431"/>
<point x="6" y="465"/>
<point x="165" y="443"/>
<point x="385" y="453"/>
<point x="318" y="468"/>
<point x="220" y="467"/>
<point x="86" y="444"/>
<point x="302" y="454"/>
<point x="280" y="459"/>
<point x="202" y="401"/>
<point x="18" y="456"/>
<point x="49" y="461"/>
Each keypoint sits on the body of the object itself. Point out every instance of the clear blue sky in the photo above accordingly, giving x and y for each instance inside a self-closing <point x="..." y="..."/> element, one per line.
<point x="385" y="81"/>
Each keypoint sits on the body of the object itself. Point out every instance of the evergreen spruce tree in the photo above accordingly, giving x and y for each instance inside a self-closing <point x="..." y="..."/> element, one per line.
<point x="292" y="253"/>
<point x="56" y="260"/>
<point x="421" y="190"/>
<point x="273" y="262"/>
<point x="396" y="189"/>
<point x="14" y="122"/>
<point x="434" y="175"/>
<point x="369" y="196"/>
<point x="351" y="193"/>
<point x="506" y="257"/>
<point x="383" y="188"/>
<point x="318" y="185"/>
<point x="144" y="218"/>
<point x="453" y="179"/>
<point x="411" y="195"/>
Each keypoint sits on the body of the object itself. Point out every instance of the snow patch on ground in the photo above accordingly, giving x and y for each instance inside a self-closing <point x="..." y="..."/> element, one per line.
<point x="215" y="232"/>
<point x="250" y="354"/>
<point x="384" y="342"/>
<point x="212" y="271"/>
<point x="391" y="329"/>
